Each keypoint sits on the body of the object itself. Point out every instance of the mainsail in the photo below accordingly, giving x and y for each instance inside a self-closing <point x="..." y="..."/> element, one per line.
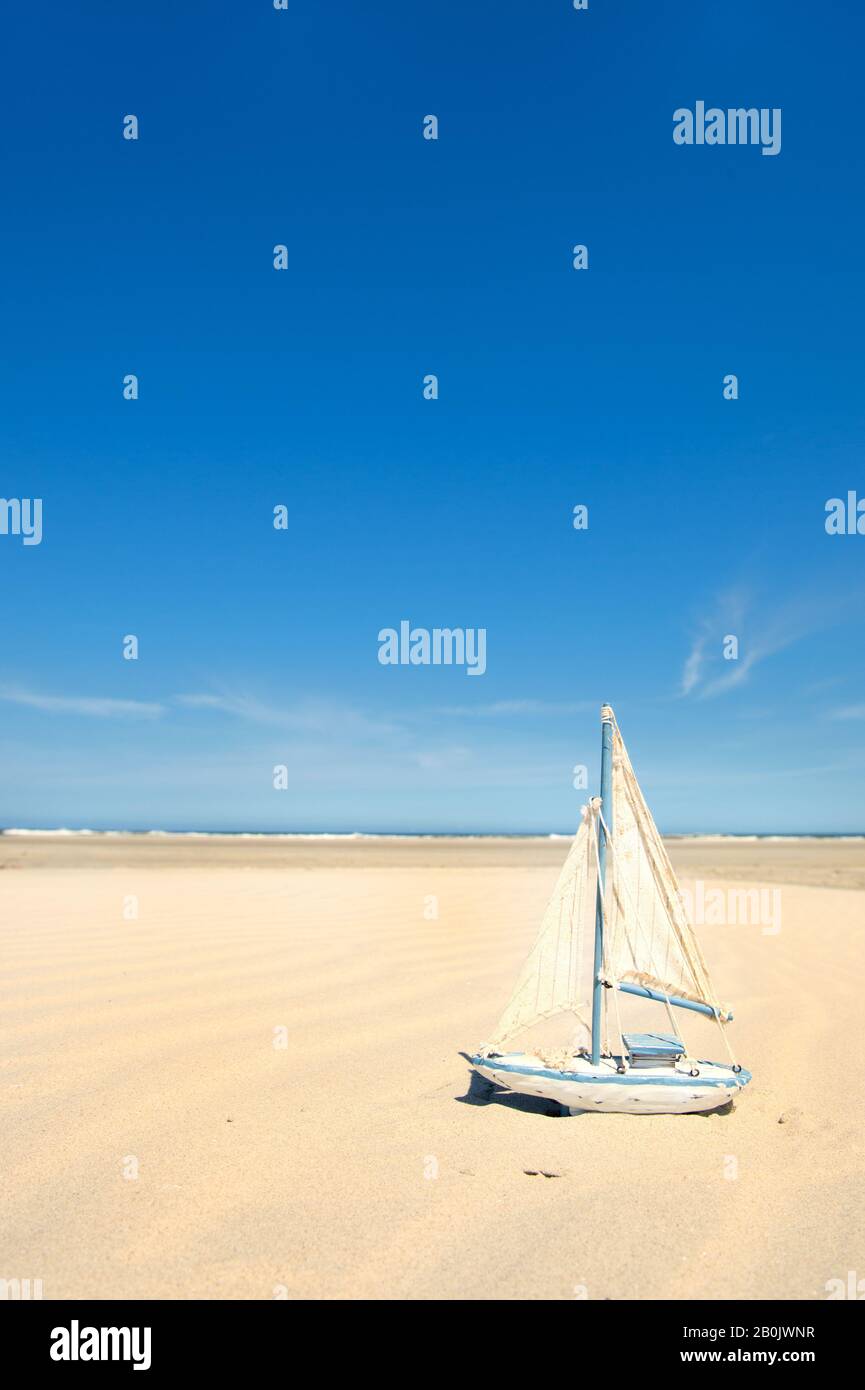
<point x="648" y="939"/>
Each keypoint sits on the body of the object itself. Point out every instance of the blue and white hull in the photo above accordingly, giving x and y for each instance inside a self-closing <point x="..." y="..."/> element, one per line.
<point x="660" y="1090"/>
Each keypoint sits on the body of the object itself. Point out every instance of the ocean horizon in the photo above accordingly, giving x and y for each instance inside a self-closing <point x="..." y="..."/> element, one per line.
<point x="707" y="835"/>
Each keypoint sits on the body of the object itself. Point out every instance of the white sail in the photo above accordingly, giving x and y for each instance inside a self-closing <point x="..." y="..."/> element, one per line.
<point x="648" y="939"/>
<point x="551" y="1002"/>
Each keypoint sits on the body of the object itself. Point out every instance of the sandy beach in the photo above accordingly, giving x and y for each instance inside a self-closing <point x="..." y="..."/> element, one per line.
<point x="232" y="1069"/>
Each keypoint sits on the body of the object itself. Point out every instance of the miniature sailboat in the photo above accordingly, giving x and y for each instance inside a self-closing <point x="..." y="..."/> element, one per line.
<point x="615" y="926"/>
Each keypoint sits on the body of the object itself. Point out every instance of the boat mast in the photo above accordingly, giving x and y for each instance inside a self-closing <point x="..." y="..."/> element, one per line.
<point x="607" y="808"/>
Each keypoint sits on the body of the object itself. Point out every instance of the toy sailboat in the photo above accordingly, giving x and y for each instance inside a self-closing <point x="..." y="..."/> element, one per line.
<point x="615" y="925"/>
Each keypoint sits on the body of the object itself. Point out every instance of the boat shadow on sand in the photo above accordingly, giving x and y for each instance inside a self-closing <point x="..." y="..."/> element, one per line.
<point x="483" y="1092"/>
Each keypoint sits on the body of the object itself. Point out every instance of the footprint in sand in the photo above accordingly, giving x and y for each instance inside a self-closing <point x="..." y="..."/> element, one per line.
<point x="791" y="1116"/>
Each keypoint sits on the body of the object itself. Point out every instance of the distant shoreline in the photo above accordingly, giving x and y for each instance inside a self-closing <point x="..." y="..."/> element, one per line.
<point x="706" y="837"/>
<point x="829" y="861"/>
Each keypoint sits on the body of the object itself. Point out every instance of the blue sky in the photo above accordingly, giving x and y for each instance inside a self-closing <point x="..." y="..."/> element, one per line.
<point x="304" y="387"/>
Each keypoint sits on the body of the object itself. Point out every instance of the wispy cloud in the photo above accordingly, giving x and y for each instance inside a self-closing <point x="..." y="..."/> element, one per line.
<point x="726" y="616"/>
<point x="694" y="664"/>
<point x="241" y="706"/>
<point x="309" y="716"/>
<point x="93" y="706"/>
<point x="499" y="708"/>
<point x="849" y="712"/>
<point x="762" y="630"/>
<point x="313" y="715"/>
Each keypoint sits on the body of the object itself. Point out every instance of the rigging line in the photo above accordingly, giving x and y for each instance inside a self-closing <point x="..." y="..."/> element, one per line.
<point x="625" y="1062"/>
<point x="608" y="973"/>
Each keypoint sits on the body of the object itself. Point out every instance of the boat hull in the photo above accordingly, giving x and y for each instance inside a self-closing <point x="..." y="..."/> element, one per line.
<point x="643" y="1091"/>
